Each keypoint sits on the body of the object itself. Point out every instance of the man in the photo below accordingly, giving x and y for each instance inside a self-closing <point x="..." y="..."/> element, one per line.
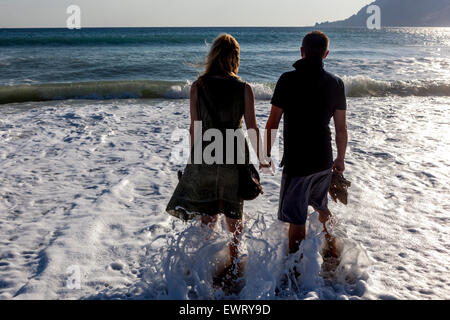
<point x="308" y="97"/>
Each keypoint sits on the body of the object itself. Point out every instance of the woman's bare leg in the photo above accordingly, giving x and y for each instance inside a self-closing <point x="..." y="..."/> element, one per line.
<point x="234" y="269"/>
<point x="209" y="221"/>
<point x="234" y="226"/>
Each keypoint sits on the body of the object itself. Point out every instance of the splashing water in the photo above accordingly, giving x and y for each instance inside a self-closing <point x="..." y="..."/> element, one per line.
<point x="193" y="255"/>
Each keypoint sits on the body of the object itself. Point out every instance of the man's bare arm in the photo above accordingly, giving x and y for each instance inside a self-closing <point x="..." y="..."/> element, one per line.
<point x="271" y="128"/>
<point x="340" y="124"/>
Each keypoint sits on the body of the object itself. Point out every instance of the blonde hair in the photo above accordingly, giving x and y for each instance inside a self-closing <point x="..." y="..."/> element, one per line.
<point x="223" y="57"/>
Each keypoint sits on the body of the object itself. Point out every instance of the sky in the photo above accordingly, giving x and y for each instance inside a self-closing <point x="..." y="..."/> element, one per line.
<point x="166" y="13"/>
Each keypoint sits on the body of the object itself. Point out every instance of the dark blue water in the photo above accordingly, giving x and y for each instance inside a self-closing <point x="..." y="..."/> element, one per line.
<point x="173" y="54"/>
<point x="49" y="64"/>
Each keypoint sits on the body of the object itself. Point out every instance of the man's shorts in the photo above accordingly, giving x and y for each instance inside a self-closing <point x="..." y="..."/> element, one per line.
<point x="297" y="193"/>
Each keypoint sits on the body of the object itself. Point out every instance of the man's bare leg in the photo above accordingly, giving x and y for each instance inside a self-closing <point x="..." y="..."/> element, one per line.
<point x="324" y="216"/>
<point x="297" y="233"/>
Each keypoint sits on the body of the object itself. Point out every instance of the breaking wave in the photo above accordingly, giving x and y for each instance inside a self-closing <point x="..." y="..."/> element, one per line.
<point x="356" y="86"/>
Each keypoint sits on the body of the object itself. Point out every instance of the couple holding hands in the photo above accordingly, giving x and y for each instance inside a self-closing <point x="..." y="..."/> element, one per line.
<point x="308" y="97"/>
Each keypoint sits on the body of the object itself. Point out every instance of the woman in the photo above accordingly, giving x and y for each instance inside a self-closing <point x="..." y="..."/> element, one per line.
<point x="219" y="99"/>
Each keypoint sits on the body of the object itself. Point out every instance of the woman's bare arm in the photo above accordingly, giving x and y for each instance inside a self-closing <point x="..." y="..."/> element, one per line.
<point x="250" y="122"/>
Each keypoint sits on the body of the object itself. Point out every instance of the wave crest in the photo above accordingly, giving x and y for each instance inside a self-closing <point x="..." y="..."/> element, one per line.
<point x="356" y="86"/>
<point x="362" y="86"/>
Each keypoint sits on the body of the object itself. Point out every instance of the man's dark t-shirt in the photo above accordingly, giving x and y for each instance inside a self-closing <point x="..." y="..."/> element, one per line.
<point x="309" y="96"/>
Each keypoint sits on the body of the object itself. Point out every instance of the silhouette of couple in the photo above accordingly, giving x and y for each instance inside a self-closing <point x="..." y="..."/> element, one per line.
<point x="308" y="97"/>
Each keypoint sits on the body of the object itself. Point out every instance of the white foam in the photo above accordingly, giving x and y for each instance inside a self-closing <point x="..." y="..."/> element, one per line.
<point x="262" y="91"/>
<point x="70" y="198"/>
<point x="179" y="91"/>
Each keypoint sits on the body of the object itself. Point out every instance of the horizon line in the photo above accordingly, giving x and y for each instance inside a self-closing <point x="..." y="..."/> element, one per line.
<point x="130" y="27"/>
<point x="185" y="27"/>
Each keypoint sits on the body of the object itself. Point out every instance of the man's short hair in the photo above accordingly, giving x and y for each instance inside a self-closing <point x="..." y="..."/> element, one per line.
<point x="315" y="44"/>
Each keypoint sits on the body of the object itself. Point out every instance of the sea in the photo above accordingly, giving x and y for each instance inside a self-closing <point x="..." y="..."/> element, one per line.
<point x="91" y="123"/>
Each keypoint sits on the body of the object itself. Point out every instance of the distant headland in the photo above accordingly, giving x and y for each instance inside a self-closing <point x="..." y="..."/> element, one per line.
<point x="401" y="13"/>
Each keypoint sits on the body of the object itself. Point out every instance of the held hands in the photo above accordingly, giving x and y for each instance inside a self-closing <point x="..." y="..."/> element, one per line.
<point x="339" y="166"/>
<point x="267" y="166"/>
